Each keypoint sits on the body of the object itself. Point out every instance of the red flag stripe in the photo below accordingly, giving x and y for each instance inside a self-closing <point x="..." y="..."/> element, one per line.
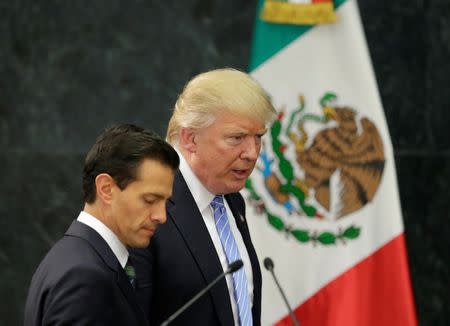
<point x="375" y="292"/>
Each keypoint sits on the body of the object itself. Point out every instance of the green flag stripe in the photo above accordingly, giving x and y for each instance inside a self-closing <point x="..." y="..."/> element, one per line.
<point x="270" y="38"/>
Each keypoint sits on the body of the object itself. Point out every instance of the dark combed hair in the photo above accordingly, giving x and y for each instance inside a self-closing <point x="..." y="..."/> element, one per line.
<point x="118" y="151"/>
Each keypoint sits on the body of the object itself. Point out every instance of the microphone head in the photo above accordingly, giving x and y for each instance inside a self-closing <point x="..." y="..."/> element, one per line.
<point x="268" y="263"/>
<point x="234" y="266"/>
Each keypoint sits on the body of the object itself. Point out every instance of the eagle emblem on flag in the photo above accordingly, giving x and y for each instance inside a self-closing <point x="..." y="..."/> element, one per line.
<point x="322" y="167"/>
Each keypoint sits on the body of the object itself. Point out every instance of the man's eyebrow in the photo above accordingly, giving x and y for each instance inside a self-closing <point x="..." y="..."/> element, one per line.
<point x="233" y="133"/>
<point x="245" y="132"/>
<point x="153" y="194"/>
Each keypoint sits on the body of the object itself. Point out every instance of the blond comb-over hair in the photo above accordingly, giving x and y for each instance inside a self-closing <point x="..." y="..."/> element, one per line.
<point x="222" y="89"/>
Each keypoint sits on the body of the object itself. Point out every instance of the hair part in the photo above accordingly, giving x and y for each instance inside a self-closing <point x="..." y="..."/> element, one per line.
<point x="119" y="151"/>
<point x="218" y="90"/>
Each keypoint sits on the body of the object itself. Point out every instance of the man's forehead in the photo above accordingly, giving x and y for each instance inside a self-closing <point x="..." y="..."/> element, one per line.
<point x="239" y="122"/>
<point x="245" y="129"/>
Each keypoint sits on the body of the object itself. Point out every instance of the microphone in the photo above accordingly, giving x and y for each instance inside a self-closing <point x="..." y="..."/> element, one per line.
<point x="268" y="264"/>
<point x="233" y="267"/>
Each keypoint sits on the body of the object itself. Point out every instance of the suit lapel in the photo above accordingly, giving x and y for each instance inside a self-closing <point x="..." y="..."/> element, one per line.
<point x="236" y="204"/>
<point x="81" y="230"/>
<point x="125" y="286"/>
<point x="241" y="224"/>
<point x="187" y="218"/>
<point x="239" y="218"/>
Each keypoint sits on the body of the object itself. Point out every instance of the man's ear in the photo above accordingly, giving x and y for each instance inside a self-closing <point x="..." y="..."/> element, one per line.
<point x="104" y="185"/>
<point x="188" y="139"/>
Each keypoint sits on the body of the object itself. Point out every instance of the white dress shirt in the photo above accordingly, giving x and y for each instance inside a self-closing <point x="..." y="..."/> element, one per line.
<point x="117" y="247"/>
<point x="203" y="199"/>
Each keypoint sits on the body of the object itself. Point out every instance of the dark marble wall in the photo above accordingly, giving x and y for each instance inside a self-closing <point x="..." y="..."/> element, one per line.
<point x="70" y="68"/>
<point x="409" y="43"/>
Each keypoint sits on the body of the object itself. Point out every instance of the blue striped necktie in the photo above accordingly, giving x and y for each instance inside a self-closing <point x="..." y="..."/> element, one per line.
<point x="231" y="251"/>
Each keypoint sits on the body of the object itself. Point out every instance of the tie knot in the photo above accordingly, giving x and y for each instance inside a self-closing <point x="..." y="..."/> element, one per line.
<point x="131" y="273"/>
<point x="217" y="201"/>
<point x="129" y="270"/>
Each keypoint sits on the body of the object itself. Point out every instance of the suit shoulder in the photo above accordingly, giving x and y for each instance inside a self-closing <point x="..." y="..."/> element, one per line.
<point x="71" y="249"/>
<point x="68" y="255"/>
<point x="66" y="269"/>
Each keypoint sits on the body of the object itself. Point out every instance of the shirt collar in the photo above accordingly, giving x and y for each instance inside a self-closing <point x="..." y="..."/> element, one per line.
<point x="201" y="195"/>
<point x="117" y="247"/>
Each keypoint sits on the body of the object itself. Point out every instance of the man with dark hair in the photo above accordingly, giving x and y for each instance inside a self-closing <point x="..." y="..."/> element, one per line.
<point x="86" y="278"/>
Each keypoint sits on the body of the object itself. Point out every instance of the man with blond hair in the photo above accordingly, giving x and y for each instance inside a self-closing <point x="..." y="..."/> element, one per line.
<point x="216" y="127"/>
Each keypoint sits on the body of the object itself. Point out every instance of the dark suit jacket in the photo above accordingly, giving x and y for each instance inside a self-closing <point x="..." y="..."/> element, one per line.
<point x="81" y="282"/>
<point x="181" y="260"/>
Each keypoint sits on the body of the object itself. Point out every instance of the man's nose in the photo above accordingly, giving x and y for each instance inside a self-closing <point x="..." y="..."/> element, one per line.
<point x="159" y="215"/>
<point x="251" y="149"/>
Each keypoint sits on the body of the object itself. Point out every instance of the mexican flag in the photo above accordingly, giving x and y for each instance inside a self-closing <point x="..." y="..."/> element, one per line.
<point x="323" y="202"/>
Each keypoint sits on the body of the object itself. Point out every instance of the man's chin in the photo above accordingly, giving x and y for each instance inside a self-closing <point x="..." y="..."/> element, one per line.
<point x="141" y="244"/>
<point x="236" y="186"/>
